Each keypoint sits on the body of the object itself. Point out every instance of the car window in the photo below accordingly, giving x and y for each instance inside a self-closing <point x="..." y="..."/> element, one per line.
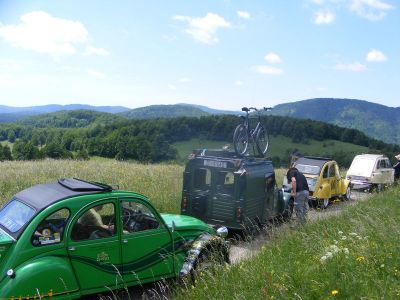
<point x="325" y="172"/>
<point x="388" y="164"/>
<point x="202" y="179"/>
<point x="15" y="215"/>
<point x="381" y="164"/>
<point x="225" y="181"/>
<point x="95" y="223"/>
<point x="331" y="172"/>
<point x="136" y="217"/>
<point x="51" y="229"/>
<point x="308" y="169"/>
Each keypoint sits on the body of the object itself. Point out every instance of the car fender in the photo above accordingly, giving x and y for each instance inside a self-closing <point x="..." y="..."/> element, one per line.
<point x="42" y="277"/>
<point x="323" y="191"/>
<point x="205" y="242"/>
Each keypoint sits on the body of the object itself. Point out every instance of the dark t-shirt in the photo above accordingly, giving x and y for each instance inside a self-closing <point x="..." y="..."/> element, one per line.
<point x="301" y="181"/>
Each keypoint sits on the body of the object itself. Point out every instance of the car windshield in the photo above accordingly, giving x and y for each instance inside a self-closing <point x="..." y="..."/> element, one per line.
<point x="15" y="215"/>
<point x="307" y="169"/>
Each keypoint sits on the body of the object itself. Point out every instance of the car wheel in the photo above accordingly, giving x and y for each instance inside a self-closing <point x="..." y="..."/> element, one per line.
<point x="324" y="203"/>
<point x="347" y="196"/>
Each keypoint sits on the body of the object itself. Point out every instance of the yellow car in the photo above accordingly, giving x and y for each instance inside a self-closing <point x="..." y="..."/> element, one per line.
<point x="324" y="180"/>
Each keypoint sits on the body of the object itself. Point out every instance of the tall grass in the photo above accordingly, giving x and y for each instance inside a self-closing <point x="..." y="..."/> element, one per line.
<point x="351" y="256"/>
<point x="161" y="183"/>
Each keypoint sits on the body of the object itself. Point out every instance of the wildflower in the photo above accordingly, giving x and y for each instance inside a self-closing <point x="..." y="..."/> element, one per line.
<point x="340" y="232"/>
<point x="323" y="259"/>
<point x="360" y="258"/>
<point x="329" y="254"/>
<point x="344" y="238"/>
<point x="334" y="292"/>
<point x="334" y="248"/>
<point x="346" y="251"/>
<point x="353" y="234"/>
<point x="382" y="265"/>
<point x="335" y="242"/>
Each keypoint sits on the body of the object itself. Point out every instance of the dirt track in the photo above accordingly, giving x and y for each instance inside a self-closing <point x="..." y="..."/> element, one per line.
<point x="244" y="249"/>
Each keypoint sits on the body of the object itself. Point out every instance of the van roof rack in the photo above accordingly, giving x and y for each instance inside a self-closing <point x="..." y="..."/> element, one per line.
<point x="80" y="185"/>
<point x="220" y="153"/>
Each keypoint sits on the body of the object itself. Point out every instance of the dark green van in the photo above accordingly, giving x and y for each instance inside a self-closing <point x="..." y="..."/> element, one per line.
<point x="222" y="188"/>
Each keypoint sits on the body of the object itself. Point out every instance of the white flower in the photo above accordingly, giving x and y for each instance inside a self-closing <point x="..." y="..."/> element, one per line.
<point x="323" y="258"/>
<point x="329" y="254"/>
<point x="340" y="232"/>
<point x="346" y="251"/>
<point x="335" y="242"/>
<point x="353" y="234"/>
<point x="334" y="248"/>
<point x="344" y="238"/>
<point x="382" y="265"/>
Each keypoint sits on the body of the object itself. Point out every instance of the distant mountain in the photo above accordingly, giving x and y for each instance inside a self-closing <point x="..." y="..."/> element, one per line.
<point x="212" y="111"/>
<point x="164" y="111"/>
<point x="12" y="114"/>
<point x="375" y="120"/>
<point x="71" y="119"/>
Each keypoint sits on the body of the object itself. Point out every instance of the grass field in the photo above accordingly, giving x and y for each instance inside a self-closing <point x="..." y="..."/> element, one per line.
<point x="161" y="183"/>
<point x="354" y="255"/>
<point x="279" y="146"/>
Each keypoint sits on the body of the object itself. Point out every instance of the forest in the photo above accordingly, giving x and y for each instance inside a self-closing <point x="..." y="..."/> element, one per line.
<point x="81" y="134"/>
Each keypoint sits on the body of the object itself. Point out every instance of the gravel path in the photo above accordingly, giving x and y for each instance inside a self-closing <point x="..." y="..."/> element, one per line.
<point x="244" y="249"/>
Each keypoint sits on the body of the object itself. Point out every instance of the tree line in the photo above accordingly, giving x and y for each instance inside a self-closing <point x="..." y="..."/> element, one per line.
<point x="151" y="140"/>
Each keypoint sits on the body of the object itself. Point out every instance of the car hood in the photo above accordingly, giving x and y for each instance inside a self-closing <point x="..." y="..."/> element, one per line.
<point x="183" y="222"/>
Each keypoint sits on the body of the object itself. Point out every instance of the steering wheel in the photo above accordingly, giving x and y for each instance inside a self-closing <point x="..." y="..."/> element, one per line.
<point x="126" y="216"/>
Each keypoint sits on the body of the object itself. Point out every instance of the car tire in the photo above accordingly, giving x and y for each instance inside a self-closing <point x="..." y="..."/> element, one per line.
<point x="323" y="203"/>
<point x="347" y="196"/>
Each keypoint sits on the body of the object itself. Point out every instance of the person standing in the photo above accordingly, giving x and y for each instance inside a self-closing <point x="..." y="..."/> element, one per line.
<point x="300" y="193"/>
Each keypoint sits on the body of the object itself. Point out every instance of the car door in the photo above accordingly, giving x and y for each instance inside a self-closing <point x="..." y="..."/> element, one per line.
<point x="94" y="245"/>
<point x="387" y="172"/>
<point x="147" y="249"/>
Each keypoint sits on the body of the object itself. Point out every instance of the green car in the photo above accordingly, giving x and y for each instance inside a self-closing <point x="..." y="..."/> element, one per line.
<point x="72" y="238"/>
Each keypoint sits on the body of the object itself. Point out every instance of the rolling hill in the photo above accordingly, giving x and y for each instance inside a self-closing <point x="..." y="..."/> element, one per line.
<point x="164" y="111"/>
<point x="71" y="119"/>
<point x="375" y="120"/>
<point x="12" y="114"/>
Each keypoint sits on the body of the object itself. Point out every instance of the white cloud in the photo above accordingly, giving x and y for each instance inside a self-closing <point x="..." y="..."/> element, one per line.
<point x="172" y="87"/>
<point x="184" y="80"/>
<point x="272" y="58"/>
<point x="95" y="51"/>
<point x="353" y="67"/>
<point x="243" y="14"/>
<point x="269" y="70"/>
<point x="324" y="18"/>
<point x="204" y="29"/>
<point x="376" y="56"/>
<point x="373" y="10"/>
<point x="96" y="74"/>
<point x="43" y="33"/>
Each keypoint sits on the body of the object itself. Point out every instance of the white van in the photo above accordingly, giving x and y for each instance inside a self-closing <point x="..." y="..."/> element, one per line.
<point x="370" y="171"/>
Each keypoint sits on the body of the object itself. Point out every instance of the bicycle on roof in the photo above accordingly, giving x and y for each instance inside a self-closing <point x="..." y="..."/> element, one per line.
<point x="245" y="133"/>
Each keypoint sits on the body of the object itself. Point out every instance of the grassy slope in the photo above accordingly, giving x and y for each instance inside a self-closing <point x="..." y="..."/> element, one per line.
<point x="161" y="183"/>
<point x="351" y="256"/>
<point x="278" y="146"/>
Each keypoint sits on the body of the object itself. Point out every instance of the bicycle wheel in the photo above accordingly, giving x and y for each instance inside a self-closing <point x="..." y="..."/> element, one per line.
<point x="262" y="141"/>
<point x="240" y="139"/>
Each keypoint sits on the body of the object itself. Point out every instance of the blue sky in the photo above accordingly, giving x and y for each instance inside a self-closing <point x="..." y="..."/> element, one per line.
<point x="224" y="54"/>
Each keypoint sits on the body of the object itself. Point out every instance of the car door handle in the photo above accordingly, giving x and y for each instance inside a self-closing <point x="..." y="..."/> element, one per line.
<point x="71" y="248"/>
<point x="125" y="241"/>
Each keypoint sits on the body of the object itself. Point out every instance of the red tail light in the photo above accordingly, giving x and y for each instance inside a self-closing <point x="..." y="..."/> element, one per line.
<point x="184" y="203"/>
<point x="238" y="214"/>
